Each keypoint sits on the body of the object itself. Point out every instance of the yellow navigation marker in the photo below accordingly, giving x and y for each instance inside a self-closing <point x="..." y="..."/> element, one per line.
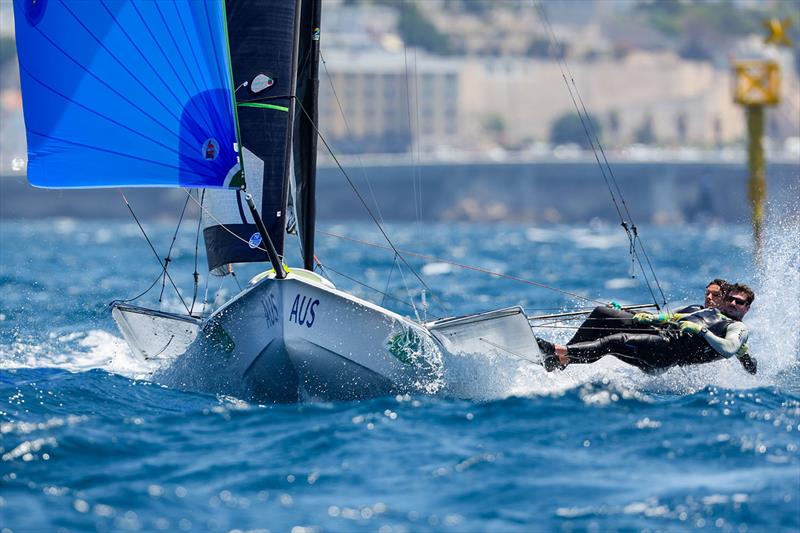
<point x="778" y="32"/>
<point x="757" y="82"/>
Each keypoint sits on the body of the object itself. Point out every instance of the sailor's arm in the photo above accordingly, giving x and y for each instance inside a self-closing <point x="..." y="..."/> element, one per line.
<point x="731" y="343"/>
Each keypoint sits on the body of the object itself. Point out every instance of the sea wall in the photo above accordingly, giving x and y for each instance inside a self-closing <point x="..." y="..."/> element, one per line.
<point x="531" y="192"/>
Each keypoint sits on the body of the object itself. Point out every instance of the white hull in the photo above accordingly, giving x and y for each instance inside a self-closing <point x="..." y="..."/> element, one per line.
<point x="292" y="339"/>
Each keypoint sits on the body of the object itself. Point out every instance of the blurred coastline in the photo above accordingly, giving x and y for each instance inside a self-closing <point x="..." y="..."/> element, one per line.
<point x="451" y="102"/>
<point x="543" y="191"/>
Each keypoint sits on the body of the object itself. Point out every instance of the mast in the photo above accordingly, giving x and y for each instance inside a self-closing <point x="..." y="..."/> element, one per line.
<point x="305" y="145"/>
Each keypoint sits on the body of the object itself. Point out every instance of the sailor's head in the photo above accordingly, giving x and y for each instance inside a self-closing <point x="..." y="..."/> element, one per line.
<point x="715" y="293"/>
<point x="737" y="301"/>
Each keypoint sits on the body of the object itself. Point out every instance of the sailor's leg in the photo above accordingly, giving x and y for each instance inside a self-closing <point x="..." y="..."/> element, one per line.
<point x="644" y="351"/>
<point x="602" y="322"/>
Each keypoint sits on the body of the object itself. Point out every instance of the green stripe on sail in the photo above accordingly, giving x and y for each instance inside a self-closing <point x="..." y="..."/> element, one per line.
<point x="238" y="180"/>
<point x="264" y="106"/>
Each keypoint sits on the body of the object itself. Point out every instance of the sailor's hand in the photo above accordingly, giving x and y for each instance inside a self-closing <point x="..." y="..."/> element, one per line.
<point x="644" y="318"/>
<point x="691" y="327"/>
<point x="748" y="363"/>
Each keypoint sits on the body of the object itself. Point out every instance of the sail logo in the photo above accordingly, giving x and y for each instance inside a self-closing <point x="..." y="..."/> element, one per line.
<point x="210" y="149"/>
<point x="303" y="311"/>
<point x="261" y="82"/>
<point x="255" y="240"/>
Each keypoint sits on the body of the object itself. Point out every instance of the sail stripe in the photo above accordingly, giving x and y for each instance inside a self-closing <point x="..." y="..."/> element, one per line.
<point x="263" y="106"/>
<point x="177" y="49"/>
<point x="113" y="152"/>
<point x="96" y="113"/>
<point x="121" y="64"/>
<point x="166" y="85"/>
<point x="108" y="94"/>
<point x="197" y="65"/>
<point x="157" y="43"/>
<point x="106" y="85"/>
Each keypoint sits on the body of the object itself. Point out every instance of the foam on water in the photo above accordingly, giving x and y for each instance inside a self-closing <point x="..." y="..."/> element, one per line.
<point x="775" y="340"/>
<point x="78" y="352"/>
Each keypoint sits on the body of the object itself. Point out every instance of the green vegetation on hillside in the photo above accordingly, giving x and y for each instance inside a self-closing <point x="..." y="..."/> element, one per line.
<point x="416" y="30"/>
<point x="569" y="128"/>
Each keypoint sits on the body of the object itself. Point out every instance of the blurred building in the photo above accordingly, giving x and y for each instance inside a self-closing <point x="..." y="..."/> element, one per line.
<point x="645" y="97"/>
<point x="378" y="101"/>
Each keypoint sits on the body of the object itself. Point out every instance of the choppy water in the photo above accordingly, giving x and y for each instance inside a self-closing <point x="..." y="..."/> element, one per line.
<point x="88" y="443"/>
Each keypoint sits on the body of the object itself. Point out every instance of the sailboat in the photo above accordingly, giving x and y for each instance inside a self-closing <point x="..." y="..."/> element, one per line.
<point x="222" y="97"/>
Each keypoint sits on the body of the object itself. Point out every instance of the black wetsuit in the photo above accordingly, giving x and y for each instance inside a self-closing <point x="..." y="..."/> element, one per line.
<point x="659" y="349"/>
<point x="604" y="321"/>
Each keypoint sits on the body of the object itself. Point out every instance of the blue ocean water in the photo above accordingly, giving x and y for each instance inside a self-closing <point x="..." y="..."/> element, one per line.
<point x="88" y="443"/>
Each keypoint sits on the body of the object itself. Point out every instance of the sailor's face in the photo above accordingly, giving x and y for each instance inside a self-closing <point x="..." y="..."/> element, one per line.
<point x="713" y="296"/>
<point x="736" y="305"/>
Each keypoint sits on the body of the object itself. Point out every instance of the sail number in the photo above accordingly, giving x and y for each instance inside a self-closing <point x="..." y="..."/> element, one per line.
<point x="303" y="311"/>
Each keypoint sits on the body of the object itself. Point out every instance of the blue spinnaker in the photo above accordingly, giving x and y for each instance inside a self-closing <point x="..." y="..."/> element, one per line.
<point x="127" y="93"/>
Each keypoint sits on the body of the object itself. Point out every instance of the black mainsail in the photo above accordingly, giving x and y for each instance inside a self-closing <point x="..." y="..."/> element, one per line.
<point x="263" y="42"/>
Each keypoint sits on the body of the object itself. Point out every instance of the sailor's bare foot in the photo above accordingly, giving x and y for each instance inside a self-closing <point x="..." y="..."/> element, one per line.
<point x="561" y="353"/>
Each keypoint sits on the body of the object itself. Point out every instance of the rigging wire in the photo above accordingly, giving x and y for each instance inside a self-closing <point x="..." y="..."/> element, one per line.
<point x="196" y="274"/>
<point x="158" y="258"/>
<point x="466" y="267"/>
<point x="384" y="294"/>
<point x="168" y="258"/>
<point x="411" y="125"/>
<point x="389" y="278"/>
<point x="369" y="211"/>
<point x="148" y="289"/>
<point x="632" y="231"/>
<point x="350" y="134"/>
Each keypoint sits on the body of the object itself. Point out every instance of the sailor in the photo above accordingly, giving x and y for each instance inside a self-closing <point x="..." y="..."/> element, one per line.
<point x="699" y="337"/>
<point x="607" y="320"/>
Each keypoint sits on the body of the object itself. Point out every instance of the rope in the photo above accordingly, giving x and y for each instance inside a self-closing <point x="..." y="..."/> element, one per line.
<point x="158" y="277"/>
<point x="222" y="225"/>
<point x="369" y="211"/>
<point x="168" y="259"/>
<point x="196" y="274"/>
<point x="632" y="232"/>
<point x="466" y="267"/>
<point x="389" y="278"/>
<point x="158" y="258"/>
<point x="350" y="134"/>
<point x="385" y="295"/>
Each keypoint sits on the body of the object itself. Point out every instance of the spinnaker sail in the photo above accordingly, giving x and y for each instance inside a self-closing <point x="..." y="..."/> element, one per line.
<point x="127" y="93"/>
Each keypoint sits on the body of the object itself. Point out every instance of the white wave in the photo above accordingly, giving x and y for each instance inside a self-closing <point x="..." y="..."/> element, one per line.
<point x="437" y="269"/>
<point x="78" y="352"/>
<point x="621" y="283"/>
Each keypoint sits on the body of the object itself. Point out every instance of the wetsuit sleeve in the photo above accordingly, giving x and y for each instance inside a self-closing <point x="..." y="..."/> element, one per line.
<point x="735" y="337"/>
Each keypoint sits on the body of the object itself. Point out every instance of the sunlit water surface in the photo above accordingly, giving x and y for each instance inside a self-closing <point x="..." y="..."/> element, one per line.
<point x="88" y="443"/>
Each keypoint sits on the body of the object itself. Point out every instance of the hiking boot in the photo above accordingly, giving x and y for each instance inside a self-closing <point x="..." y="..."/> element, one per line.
<point x="552" y="362"/>
<point x="749" y="363"/>
<point x="546" y="347"/>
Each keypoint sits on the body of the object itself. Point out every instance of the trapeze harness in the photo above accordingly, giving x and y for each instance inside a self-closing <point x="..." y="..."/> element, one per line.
<point x="659" y="349"/>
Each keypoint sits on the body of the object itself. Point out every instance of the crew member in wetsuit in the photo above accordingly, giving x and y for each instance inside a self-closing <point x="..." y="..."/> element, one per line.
<point x="700" y="337"/>
<point x="604" y="321"/>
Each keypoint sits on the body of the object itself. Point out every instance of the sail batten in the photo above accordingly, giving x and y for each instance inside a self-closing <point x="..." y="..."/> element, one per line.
<point x="125" y="93"/>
